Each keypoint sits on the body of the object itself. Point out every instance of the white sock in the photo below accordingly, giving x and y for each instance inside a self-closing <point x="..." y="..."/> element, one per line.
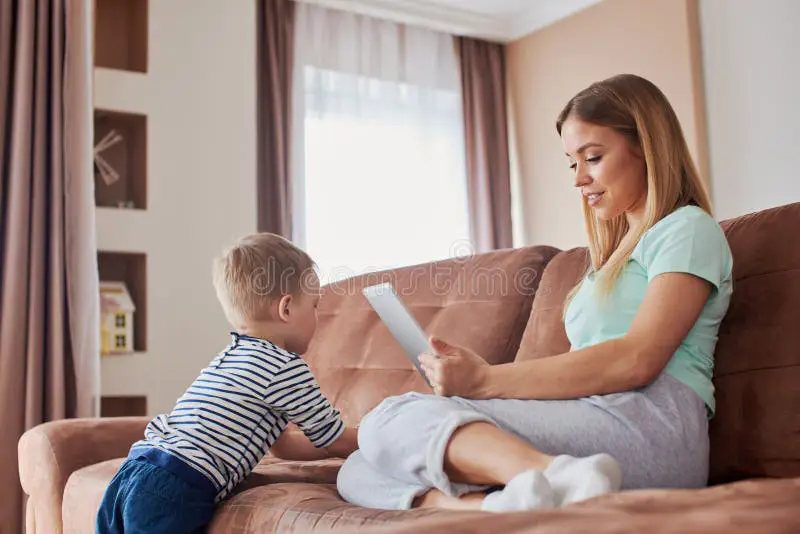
<point x="577" y="479"/>
<point x="526" y="491"/>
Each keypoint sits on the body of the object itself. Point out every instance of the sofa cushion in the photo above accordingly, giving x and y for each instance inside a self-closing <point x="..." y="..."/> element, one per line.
<point x="756" y="430"/>
<point x="545" y="334"/>
<point x="279" y="495"/>
<point x="303" y="507"/>
<point x="763" y="507"/>
<point x="83" y="493"/>
<point x="85" y="488"/>
<point x="481" y="302"/>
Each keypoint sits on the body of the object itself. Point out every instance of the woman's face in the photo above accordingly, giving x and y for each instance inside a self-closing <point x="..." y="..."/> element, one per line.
<point x="610" y="172"/>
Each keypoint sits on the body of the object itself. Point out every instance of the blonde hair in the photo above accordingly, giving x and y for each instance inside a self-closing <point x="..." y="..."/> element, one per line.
<point x="254" y="271"/>
<point x="638" y="110"/>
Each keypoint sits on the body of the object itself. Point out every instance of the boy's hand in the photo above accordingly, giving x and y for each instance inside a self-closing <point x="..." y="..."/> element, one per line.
<point x="346" y="445"/>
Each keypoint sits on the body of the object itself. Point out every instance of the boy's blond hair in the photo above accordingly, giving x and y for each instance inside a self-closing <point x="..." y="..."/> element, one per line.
<point x="254" y="271"/>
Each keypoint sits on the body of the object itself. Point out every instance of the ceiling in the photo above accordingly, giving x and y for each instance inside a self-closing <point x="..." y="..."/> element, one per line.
<point x="497" y="20"/>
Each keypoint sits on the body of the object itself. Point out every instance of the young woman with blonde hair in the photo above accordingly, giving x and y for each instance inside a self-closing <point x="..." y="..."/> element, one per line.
<point x="627" y="407"/>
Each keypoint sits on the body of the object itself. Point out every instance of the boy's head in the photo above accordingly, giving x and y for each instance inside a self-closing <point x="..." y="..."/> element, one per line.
<point x="268" y="287"/>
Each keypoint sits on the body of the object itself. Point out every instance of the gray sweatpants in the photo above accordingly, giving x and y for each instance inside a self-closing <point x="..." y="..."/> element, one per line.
<point x="658" y="434"/>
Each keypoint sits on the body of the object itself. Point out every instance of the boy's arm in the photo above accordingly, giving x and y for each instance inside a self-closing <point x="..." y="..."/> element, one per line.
<point x="296" y="394"/>
<point x="346" y="445"/>
<point x="294" y="445"/>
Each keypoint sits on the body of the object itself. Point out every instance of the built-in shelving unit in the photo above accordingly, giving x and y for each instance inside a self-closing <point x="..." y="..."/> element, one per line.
<point x="121" y="171"/>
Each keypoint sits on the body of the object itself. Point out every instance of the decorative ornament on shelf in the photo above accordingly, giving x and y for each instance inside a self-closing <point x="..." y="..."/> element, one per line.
<point x="101" y="166"/>
<point x="116" y="319"/>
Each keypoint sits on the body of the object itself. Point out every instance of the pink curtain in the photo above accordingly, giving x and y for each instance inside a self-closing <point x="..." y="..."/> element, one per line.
<point x="483" y="87"/>
<point x="275" y="35"/>
<point x="48" y="268"/>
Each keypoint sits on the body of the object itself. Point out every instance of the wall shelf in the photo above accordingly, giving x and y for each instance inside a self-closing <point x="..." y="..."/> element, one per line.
<point x="127" y="157"/>
<point x="131" y="268"/>
<point x="122" y="90"/>
<point x="123" y="405"/>
<point x="121" y="34"/>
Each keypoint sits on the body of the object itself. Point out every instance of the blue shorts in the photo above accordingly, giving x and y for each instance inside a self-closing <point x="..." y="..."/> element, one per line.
<point x="146" y="496"/>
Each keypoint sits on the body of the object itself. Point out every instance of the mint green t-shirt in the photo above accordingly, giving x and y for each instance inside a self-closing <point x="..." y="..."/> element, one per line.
<point x="688" y="240"/>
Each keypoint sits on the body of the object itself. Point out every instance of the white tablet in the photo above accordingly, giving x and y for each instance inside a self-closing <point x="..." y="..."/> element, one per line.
<point x="400" y="322"/>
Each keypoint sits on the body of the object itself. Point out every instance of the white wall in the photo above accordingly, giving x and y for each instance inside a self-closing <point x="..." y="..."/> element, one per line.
<point x="752" y="84"/>
<point x="199" y="96"/>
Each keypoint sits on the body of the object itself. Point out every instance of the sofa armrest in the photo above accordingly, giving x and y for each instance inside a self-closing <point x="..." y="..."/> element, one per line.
<point x="49" y="453"/>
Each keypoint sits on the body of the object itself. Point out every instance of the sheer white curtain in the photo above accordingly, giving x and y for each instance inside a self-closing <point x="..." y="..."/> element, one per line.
<point x="379" y="165"/>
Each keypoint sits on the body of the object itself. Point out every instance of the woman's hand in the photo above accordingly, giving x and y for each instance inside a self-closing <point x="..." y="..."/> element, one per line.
<point x="455" y="371"/>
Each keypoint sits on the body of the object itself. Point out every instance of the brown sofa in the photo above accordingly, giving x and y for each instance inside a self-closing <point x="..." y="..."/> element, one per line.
<point x="505" y="305"/>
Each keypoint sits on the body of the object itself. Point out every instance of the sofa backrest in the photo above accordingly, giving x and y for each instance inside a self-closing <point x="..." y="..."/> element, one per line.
<point x="756" y="429"/>
<point x="481" y="302"/>
<point x="545" y="334"/>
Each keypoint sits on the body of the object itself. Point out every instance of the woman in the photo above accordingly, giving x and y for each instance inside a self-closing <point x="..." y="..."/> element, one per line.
<point x="627" y="407"/>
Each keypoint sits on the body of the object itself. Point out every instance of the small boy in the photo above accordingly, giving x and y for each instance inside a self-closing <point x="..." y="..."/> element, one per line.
<point x="240" y="406"/>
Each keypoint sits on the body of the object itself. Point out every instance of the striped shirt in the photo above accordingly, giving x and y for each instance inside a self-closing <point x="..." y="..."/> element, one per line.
<point x="237" y="408"/>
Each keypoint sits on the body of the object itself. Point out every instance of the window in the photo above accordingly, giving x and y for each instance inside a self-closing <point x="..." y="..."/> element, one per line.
<point x="385" y="177"/>
<point x="119" y="320"/>
<point x="119" y="342"/>
<point x="378" y="163"/>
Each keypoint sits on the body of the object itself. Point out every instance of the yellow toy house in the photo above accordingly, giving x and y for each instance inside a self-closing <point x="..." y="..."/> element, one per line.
<point x="116" y="318"/>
